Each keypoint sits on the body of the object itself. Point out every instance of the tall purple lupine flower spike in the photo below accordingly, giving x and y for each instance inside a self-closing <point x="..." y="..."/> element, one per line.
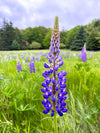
<point x="19" y="67"/>
<point x="54" y="87"/>
<point x="31" y="65"/>
<point x="83" y="54"/>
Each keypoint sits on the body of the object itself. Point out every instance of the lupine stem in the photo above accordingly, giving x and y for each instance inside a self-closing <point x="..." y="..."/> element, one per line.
<point x="55" y="122"/>
<point x="54" y="103"/>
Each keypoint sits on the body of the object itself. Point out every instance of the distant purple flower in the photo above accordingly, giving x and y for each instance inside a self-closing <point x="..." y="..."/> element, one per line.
<point x="32" y="65"/>
<point x="83" y="54"/>
<point x="19" y="67"/>
<point x="54" y="87"/>
<point x="38" y="57"/>
<point x="27" y="59"/>
<point x="95" y="60"/>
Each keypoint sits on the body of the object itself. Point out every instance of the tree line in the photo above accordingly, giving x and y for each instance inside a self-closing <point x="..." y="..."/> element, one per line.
<point x="39" y="37"/>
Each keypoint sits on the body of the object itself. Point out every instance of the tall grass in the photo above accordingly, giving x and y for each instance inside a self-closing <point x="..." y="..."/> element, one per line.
<point x="20" y="95"/>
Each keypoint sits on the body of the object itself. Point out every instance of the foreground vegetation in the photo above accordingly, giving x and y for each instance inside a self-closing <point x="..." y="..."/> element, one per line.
<point x="20" y="94"/>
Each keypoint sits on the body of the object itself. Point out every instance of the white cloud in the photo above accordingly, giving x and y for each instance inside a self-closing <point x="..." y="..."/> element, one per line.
<point x="6" y="10"/>
<point x="31" y="4"/>
<point x="67" y="5"/>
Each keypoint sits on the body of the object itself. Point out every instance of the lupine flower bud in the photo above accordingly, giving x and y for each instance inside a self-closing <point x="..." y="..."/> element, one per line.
<point x="52" y="114"/>
<point x="19" y="67"/>
<point x="53" y="80"/>
<point x="46" y="65"/>
<point x="83" y="54"/>
<point x="54" y="88"/>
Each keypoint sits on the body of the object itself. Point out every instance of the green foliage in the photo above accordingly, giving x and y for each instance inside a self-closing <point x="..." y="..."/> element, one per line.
<point x="18" y="36"/>
<point x="96" y="23"/>
<point x="70" y="36"/>
<point x="93" y="41"/>
<point x="63" y="37"/>
<point x="62" y="45"/>
<point x="47" y="39"/>
<point x="82" y="65"/>
<point x="79" y="40"/>
<point x="34" y="34"/>
<point x="6" y="35"/>
<point x="98" y="37"/>
<point x="15" y="45"/>
<point x="34" y="45"/>
<point x="70" y="41"/>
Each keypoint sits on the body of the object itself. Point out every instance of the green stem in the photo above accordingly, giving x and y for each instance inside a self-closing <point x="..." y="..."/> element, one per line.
<point x="55" y="123"/>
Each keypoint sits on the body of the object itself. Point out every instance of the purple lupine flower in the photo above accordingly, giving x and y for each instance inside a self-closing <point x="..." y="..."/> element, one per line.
<point x="83" y="54"/>
<point x="32" y="65"/>
<point x="19" y="67"/>
<point x="54" y="87"/>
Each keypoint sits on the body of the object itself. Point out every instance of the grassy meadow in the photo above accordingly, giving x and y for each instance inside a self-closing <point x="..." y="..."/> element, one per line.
<point x="21" y="96"/>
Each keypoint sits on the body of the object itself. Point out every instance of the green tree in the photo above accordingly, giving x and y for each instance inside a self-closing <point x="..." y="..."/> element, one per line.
<point x="36" y="34"/>
<point x="18" y="36"/>
<point x="98" y="37"/>
<point x="70" y="41"/>
<point x="27" y="35"/>
<point x="15" y="45"/>
<point x="97" y="23"/>
<point x="93" y="41"/>
<point x="47" y="39"/>
<point x="93" y="31"/>
<point x="70" y="36"/>
<point x="39" y="34"/>
<point x="63" y="35"/>
<point x="79" y="40"/>
<point x="6" y="35"/>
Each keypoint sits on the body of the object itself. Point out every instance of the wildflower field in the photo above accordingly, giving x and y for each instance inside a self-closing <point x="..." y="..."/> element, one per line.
<point x="21" y="110"/>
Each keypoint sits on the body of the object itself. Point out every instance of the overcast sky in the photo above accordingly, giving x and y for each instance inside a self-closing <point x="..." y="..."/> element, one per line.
<point x="31" y="13"/>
